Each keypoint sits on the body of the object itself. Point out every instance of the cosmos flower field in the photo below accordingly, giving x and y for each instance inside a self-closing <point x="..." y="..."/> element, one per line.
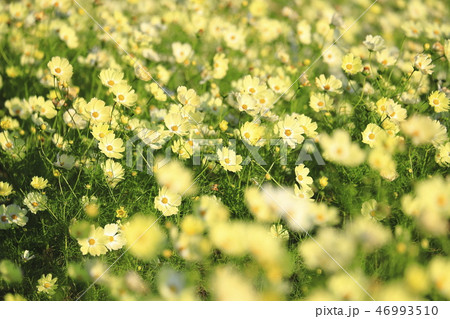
<point x="224" y="150"/>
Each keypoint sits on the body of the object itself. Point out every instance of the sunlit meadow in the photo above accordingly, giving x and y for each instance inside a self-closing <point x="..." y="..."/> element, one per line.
<point x="224" y="150"/>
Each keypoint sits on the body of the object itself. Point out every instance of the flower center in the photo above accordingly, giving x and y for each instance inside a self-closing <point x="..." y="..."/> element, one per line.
<point x="95" y="114"/>
<point x="174" y="128"/>
<point x="227" y="160"/>
<point x="440" y="284"/>
<point x="8" y="145"/>
<point x="377" y="163"/>
<point x="435" y="101"/>
<point x="91" y="241"/>
<point x="14" y="217"/>
<point x="111" y="238"/>
<point x="35" y="204"/>
<point x="111" y="83"/>
<point x="326" y="87"/>
<point x="57" y="70"/>
<point x="252" y="90"/>
<point x="247" y="135"/>
<point x="4" y="219"/>
<point x="244" y="106"/>
<point x="287" y="132"/>
<point x="371" y="136"/>
<point x="164" y="200"/>
<point x="349" y="66"/>
<point x="47" y="285"/>
<point x="442" y="201"/>
<point x="109" y="148"/>
<point x="121" y="97"/>
<point x="320" y="103"/>
<point x="300" y="177"/>
<point x="101" y="135"/>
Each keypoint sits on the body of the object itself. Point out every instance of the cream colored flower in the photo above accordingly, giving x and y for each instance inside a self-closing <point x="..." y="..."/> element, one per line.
<point x="96" y="111"/>
<point x="188" y="97"/>
<point x="229" y="160"/>
<point x="47" y="284"/>
<point x="422" y="62"/>
<point x="115" y="240"/>
<point x="220" y="66"/>
<point x="113" y="172"/>
<point x="157" y="92"/>
<point x="5" y="189"/>
<point x="439" y="101"/>
<point x="17" y="215"/>
<point x="257" y="206"/>
<point x="301" y="175"/>
<point x="320" y="102"/>
<point x="329" y="85"/>
<point x="351" y="64"/>
<point x="95" y="243"/>
<point x="423" y="129"/>
<point x="39" y="182"/>
<point x="374" y="43"/>
<point x="61" y="68"/>
<point x="177" y="124"/>
<point x="181" y="51"/>
<point x="111" y="146"/>
<point x="442" y="155"/>
<point x="252" y="133"/>
<point x="247" y="103"/>
<point x="290" y="131"/>
<point x="124" y="93"/>
<point x="144" y="236"/>
<point x="35" y="202"/>
<point x="65" y="161"/>
<point x="340" y="149"/>
<point x="167" y="202"/>
<point x="370" y="134"/>
<point x="111" y="77"/>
